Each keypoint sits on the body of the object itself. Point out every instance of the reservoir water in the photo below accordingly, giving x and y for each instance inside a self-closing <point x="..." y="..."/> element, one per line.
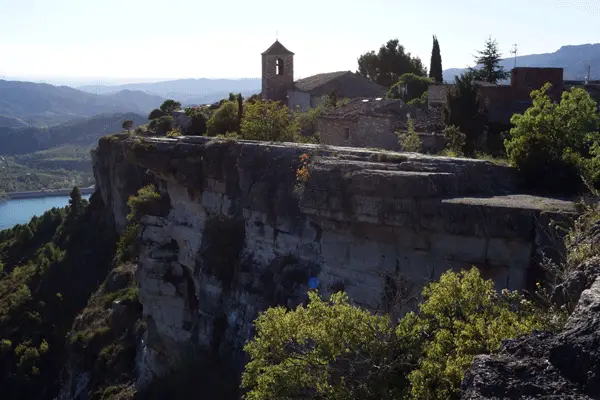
<point x="20" y="211"/>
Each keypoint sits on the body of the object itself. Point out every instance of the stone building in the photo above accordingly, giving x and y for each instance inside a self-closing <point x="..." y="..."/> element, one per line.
<point x="502" y="101"/>
<point x="373" y="123"/>
<point x="278" y="82"/>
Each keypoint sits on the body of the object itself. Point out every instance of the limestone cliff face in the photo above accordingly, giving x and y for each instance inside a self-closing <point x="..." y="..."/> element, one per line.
<point x="242" y="234"/>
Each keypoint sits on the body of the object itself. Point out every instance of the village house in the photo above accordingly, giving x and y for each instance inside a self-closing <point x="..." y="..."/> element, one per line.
<point x="374" y="122"/>
<point x="502" y="101"/>
<point x="278" y="82"/>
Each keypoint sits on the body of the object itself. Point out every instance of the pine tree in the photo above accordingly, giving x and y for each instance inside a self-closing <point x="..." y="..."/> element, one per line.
<point x="435" y="68"/>
<point x="75" y="203"/>
<point x="489" y="61"/>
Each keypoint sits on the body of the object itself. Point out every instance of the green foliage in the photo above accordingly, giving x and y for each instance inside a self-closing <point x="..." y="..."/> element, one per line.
<point x="331" y="349"/>
<point x="409" y="87"/>
<point x="455" y="139"/>
<point x="137" y="204"/>
<point x="173" y="133"/>
<point x="155" y="114"/>
<point x="268" y="121"/>
<point x="38" y="297"/>
<point x="463" y="109"/>
<point x="554" y="145"/>
<point x="169" y="106"/>
<point x="224" y="120"/>
<point x="488" y="61"/>
<point x="462" y="316"/>
<point x="410" y="140"/>
<point x="387" y="65"/>
<point x="127" y="125"/>
<point x="163" y="125"/>
<point x="199" y="117"/>
<point x="327" y="350"/>
<point x="435" y="68"/>
<point x="420" y="102"/>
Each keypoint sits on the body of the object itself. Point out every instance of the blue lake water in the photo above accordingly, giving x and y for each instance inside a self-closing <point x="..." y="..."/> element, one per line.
<point x="20" y="211"/>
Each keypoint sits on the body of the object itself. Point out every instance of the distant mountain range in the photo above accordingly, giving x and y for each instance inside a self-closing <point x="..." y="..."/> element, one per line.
<point x="25" y="104"/>
<point x="574" y="59"/>
<point x="186" y="91"/>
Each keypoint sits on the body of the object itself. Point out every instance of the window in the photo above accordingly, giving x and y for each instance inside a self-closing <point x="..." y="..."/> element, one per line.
<point x="279" y="66"/>
<point x="347" y="133"/>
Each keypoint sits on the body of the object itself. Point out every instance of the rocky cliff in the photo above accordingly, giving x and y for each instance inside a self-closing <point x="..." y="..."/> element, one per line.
<point x="245" y="230"/>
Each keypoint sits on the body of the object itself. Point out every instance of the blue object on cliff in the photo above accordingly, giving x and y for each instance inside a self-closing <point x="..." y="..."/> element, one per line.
<point x="313" y="283"/>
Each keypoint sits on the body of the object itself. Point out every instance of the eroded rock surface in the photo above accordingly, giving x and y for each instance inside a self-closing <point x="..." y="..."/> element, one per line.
<point x="242" y="234"/>
<point x="545" y="366"/>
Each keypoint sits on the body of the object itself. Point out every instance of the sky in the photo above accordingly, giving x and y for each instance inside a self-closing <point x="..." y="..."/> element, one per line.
<point x="112" y="41"/>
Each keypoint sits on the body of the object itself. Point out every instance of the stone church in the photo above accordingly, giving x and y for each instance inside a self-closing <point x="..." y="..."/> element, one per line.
<point x="278" y="82"/>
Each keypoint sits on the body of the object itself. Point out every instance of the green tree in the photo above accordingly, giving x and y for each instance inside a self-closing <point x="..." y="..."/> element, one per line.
<point x="155" y="114"/>
<point x="127" y="125"/>
<point x="488" y="67"/>
<point x="462" y="108"/>
<point x="552" y="144"/>
<point x="268" y="121"/>
<point x="435" y="68"/>
<point x="163" y="125"/>
<point x="169" y="106"/>
<point x="409" y="87"/>
<point x="199" y="117"/>
<point x="327" y="350"/>
<point x="410" y="140"/>
<point x="387" y="65"/>
<point x="240" y="110"/>
<point x="461" y="316"/>
<point x="223" y="121"/>
<point x="455" y="140"/>
<point x="76" y="203"/>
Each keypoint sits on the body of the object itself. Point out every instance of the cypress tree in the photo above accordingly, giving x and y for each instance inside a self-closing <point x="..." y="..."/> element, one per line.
<point x="435" y="69"/>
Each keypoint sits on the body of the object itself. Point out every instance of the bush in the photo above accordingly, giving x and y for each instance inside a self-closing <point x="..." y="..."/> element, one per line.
<point x="410" y="140"/>
<point x="553" y="145"/>
<point x="268" y="121"/>
<point x="462" y="316"/>
<point x="327" y="350"/>
<point x="415" y="87"/>
<point x="331" y="349"/>
<point x="173" y="133"/>
<point x="163" y="125"/>
<point x="223" y="120"/>
<point x="199" y="119"/>
<point x="455" y="140"/>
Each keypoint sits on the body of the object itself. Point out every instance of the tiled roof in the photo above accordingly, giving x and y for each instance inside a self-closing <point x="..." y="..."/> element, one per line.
<point x="424" y="120"/>
<point x="343" y="83"/>
<point x="277" y="49"/>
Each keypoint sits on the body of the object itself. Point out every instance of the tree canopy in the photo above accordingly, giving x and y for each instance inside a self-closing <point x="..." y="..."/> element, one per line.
<point x="488" y="67"/>
<point x="435" y="67"/>
<point x="387" y="65"/>
<point x="415" y="86"/>
<point x="555" y="144"/>
<point x="268" y="121"/>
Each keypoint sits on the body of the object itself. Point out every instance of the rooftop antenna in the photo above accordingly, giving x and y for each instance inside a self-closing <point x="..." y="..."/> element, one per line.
<point x="514" y="52"/>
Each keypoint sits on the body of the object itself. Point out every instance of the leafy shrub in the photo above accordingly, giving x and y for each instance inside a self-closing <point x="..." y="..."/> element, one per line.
<point x="462" y="316"/>
<point x="224" y="120"/>
<point x="173" y="133"/>
<point x="163" y="125"/>
<point x="554" y="145"/>
<point x="327" y="350"/>
<point x="410" y="140"/>
<point x="415" y="87"/>
<point x="455" y="139"/>
<point x="268" y="121"/>
<point x="331" y="349"/>
<point x="199" y="119"/>
<point x="420" y="102"/>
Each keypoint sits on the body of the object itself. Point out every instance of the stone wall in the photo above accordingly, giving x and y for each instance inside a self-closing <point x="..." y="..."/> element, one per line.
<point x="242" y="234"/>
<point x="298" y="99"/>
<point x="436" y="94"/>
<point x="371" y="132"/>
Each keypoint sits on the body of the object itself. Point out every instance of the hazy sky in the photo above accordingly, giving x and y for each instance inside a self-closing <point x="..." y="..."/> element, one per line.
<point x="146" y="39"/>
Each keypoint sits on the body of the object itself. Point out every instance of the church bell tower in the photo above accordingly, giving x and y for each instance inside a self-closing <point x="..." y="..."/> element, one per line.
<point x="277" y="72"/>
